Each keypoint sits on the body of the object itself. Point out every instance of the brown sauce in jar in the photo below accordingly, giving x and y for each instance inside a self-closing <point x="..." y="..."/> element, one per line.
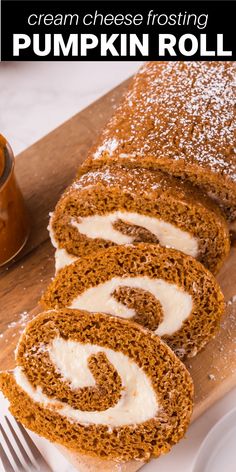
<point x="14" y="221"/>
<point x="2" y="155"/>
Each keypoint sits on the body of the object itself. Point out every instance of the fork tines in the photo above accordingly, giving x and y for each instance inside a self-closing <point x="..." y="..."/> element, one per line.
<point x="19" y="459"/>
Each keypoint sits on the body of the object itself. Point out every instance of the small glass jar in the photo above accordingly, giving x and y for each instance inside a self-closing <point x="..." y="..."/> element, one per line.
<point x="14" y="219"/>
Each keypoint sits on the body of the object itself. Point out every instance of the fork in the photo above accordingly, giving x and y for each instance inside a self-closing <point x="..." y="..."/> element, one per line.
<point x="9" y="455"/>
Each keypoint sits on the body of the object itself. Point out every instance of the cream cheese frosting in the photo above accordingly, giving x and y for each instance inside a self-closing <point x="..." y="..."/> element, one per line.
<point x="176" y="303"/>
<point x="101" y="226"/>
<point x="62" y="256"/>
<point x="137" y="404"/>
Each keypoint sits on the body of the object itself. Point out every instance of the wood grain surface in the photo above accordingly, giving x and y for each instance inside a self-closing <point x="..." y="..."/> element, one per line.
<point x="43" y="171"/>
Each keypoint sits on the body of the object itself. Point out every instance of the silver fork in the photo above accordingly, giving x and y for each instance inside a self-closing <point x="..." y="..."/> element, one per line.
<point x="9" y="455"/>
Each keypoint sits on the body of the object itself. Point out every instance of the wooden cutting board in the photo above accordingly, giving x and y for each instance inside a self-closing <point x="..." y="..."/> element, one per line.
<point x="43" y="171"/>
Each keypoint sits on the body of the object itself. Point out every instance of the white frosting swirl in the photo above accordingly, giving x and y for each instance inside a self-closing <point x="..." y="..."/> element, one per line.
<point x="176" y="303"/>
<point x="101" y="226"/>
<point x="137" y="404"/>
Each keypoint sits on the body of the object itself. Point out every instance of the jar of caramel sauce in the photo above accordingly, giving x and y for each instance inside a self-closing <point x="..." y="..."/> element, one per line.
<point x="14" y="220"/>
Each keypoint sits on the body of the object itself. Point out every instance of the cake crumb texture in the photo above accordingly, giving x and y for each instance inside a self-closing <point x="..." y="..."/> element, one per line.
<point x="178" y="117"/>
<point x="155" y="262"/>
<point x="145" y="192"/>
<point x="168" y="376"/>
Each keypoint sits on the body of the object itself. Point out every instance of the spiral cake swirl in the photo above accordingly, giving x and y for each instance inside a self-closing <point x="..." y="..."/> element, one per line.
<point x="116" y="205"/>
<point x="99" y="385"/>
<point x="162" y="289"/>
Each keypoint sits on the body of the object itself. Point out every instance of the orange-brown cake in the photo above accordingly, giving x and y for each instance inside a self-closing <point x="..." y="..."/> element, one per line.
<point x="163" y="289"/>
<point x="178" y="117"/>
<point x="121" y="206"/>
<point x="101" y="386"/>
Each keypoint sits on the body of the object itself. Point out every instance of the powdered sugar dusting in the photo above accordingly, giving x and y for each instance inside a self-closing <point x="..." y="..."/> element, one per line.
<point x="21" y="321"/>
<point x="180" y="110"/>
<point x="232" y="300"/>
<point x="221" y="352"/>
<point x="15" y="329"/>
<point x="131" y="181"/>
<point x="109" y="146"/>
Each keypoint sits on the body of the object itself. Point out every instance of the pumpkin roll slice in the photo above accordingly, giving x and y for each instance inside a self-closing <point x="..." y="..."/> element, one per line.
<point x="101" y="386"/>
<point x="116" y="205"/>
<point x="162" y="289"/>
<point x="178" y="117"/>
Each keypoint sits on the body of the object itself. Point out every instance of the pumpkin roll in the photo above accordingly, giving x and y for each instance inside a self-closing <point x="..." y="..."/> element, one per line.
<point x="116" y="205"/>
<point x="162" y="289"/>
<point x="101" y="386"/>
<point x="177" y="117"/>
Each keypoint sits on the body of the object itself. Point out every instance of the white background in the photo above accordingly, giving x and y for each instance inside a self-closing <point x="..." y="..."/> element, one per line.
<point x="35" y="98"/>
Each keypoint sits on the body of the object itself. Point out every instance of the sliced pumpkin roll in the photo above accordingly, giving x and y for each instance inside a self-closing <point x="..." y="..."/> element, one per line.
<point x="116" y="205"/>
<point x="178" y="117"/>
<point x="101" y="386"/>
<point x="162" y="289"/>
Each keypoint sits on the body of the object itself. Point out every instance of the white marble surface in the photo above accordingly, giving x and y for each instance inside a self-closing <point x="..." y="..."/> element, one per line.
<point x="35" y="98"/>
